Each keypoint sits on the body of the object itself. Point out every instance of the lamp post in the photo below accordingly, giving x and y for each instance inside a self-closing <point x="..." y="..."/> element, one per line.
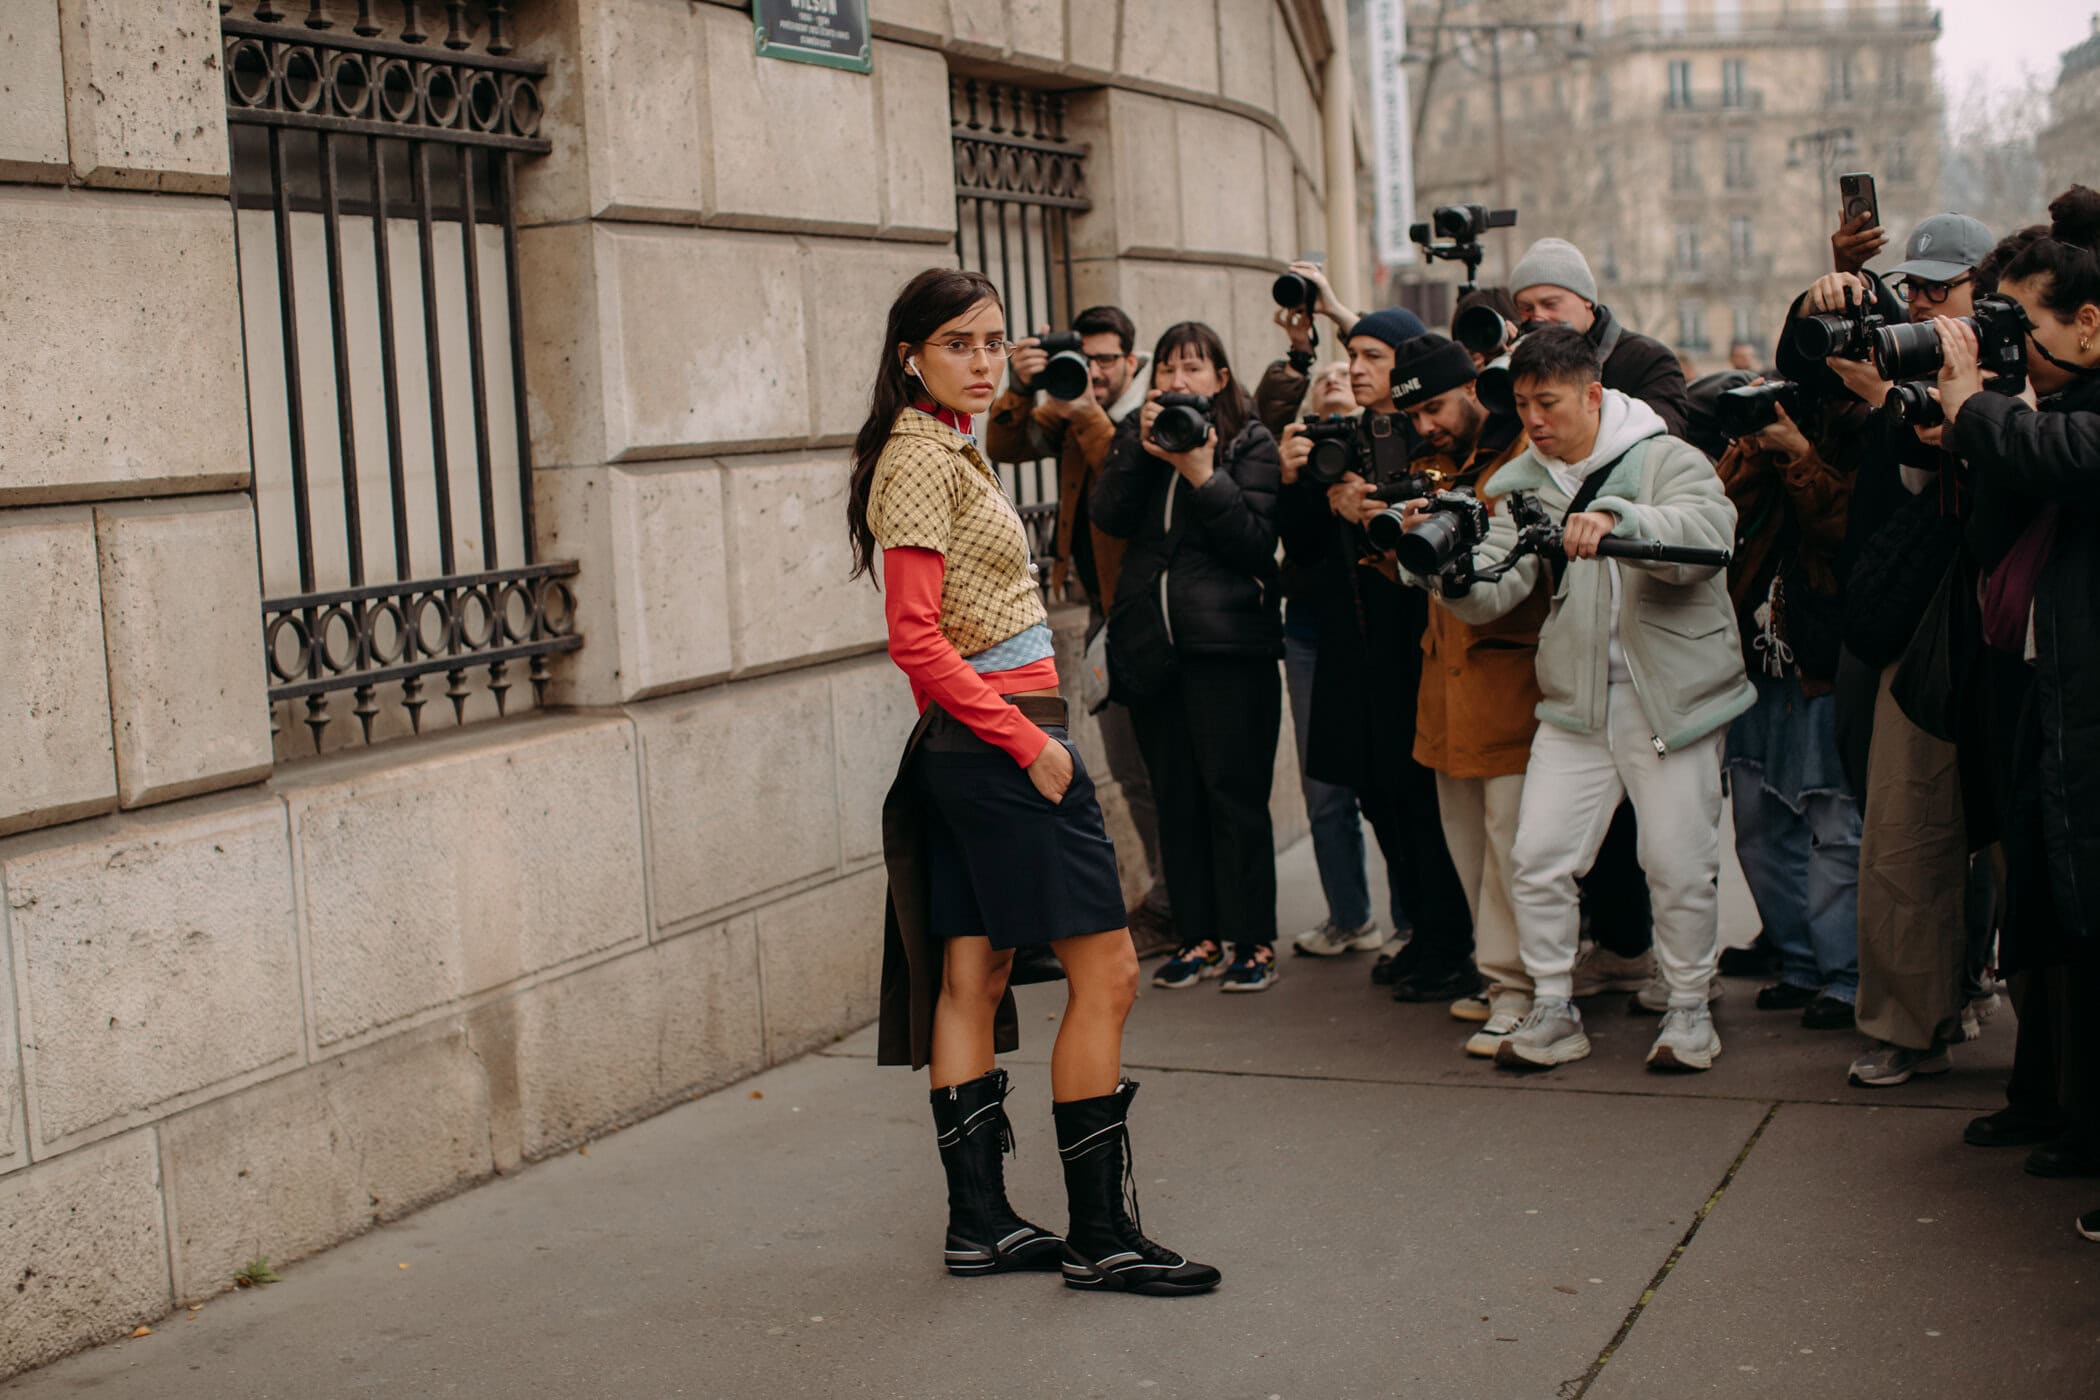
<point x="1492" y="32"/>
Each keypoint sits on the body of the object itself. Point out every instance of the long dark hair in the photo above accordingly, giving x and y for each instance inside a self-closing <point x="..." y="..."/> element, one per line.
<point x="2065" y="255"/>
<point x="929" y="301"/>
<point x="1232" y="406"/>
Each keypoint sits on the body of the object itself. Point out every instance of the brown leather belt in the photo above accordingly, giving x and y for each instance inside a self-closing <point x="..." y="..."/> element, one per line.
<point x="1045" y="710"/>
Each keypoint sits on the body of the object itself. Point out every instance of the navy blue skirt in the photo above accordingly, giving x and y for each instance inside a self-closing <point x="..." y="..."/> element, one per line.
<point x="1003" y="861"/>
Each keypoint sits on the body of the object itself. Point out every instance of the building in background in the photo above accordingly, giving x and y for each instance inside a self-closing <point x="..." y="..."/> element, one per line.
<point x="1691" y="148"/>
<point x="2067" y="149"/>
<point x="439" y="722"/>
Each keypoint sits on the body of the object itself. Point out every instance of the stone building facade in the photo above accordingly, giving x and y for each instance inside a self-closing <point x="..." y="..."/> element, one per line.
<point x="259" y="997"/>
<point x="1690" y="147"/>
<point x="2065" y="146"/>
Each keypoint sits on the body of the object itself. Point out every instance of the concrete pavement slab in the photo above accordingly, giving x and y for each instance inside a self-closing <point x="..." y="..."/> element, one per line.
<point x="1873" y="1254"/>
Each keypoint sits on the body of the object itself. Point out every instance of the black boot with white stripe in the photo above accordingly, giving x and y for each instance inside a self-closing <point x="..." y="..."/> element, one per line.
<point x="984" y="1234"/>
<point x="1105" y="1249"/>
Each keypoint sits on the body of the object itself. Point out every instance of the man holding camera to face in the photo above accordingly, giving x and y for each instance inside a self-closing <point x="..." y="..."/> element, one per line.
<point x="1070" y="412"/>
<point x="1640" y="672"/>
<point x="1368" y="670"/>
<point x="1474" y="716"/>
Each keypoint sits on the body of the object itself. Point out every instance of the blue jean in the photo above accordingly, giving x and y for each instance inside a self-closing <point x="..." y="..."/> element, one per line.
<point x="1803" y="870"/>
<point x="1337" y="830"/>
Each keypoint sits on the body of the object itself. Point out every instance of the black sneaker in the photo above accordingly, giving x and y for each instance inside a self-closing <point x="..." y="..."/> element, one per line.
<point x="1438" y="984"/>
<point x="1401" y="962"/>
<point x="1829" y="1014"/>
<point x="1760" y="959"/>
<point x="2009" y="1127"/>
<point x="1257" y="972"/>
<point x="1784" y="996"/>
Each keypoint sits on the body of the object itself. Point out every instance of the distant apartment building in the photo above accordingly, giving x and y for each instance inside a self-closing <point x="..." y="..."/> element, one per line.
<point x="2065" y="146"/>
<point x="1690" y="147"/>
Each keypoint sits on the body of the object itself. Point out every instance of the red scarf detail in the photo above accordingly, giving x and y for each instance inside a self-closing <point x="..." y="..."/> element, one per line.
<point x="959" y="421"/>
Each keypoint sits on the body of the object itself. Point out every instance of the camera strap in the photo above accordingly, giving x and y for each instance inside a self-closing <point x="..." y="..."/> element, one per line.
<point x="1591" y="485"/>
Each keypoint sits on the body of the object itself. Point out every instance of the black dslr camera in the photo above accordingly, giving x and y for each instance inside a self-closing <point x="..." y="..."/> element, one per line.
<point x="1442" y="542"/>
<point x="1754" y="407"/>
<point x="1461" y="226"/>
<point x="1913" y="405"/>
<point x="1183" y="422"/>
<point x="1846" y="335"/>
<point x="1066" y="376"/>
<point x="1333" y="446"/>
<point x="1912" y="350"/>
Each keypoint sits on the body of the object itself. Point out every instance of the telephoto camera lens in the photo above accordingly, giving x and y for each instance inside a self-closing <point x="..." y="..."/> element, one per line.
<point x="1183" y="422"/>
<point x="1384" y="530"/>
<point x="1065" y="377"/>
<point x="1294" y="293"/>
<point x="1913" y="406"/>
<point x="1911" y="350"/>
<point x="1820" y="337"/>
<point x="1752" y="408"/>
<point x="1481" y="330"/>
<point x="1430" y="546"/>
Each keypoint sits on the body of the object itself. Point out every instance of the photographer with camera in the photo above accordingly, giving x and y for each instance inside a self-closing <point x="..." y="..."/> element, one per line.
<point x="1193" y="642"/>
<point x="1071" y="414"/>
<point x="1922" y="935"/>
<point x="1640" y="671"/>
<point x="1369" y="664"/>
<point x="1475" y="714"/>
<point x="1797" y="823"/>
<point x="1553" y="283"/>
<point x="2041" y="603"/>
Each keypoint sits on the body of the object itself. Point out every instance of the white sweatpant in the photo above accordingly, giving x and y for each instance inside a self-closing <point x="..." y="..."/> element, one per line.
<point x="1571" y="788"/>
<point x="1480" y="830"/>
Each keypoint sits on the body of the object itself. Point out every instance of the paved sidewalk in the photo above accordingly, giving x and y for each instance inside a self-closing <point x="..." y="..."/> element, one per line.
<point x="1393" y="1219"/>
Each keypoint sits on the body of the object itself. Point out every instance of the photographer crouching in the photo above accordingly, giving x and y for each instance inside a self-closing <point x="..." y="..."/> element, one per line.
<point x="1193" y="642"/>
<point x="2041" y="602"/>
<point x="1475" y="713"/>
<point x="1640" y="671"/>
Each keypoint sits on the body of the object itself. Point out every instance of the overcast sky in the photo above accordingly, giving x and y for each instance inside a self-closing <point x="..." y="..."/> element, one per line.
<point x="1996" y="38"/>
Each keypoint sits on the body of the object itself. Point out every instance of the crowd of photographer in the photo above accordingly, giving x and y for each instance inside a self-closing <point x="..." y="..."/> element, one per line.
<point x="1543" y="607"/>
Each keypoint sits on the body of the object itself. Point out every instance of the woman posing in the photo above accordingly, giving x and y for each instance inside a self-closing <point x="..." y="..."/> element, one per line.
<point x="1193" y="643"/>
<point x="991" y="832"/>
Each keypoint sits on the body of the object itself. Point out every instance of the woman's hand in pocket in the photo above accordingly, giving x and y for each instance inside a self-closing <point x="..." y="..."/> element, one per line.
<point x="1052" y="771"/>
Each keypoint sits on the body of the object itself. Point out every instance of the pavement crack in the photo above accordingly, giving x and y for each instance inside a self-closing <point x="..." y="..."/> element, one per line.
<point x="1575" y="1387"/>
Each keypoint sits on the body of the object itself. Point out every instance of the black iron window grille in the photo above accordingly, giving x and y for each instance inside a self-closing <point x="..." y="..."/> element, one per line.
<point x="374" y="183"/>
<point x="1018" y="181"/>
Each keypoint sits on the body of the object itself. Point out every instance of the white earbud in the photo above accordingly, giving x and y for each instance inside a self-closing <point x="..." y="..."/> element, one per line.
<point x="911" y="365"/>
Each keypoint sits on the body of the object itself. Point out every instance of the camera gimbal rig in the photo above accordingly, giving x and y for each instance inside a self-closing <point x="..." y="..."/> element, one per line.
<point x="1462" y="224"/>
<point x="1537" y="534"/>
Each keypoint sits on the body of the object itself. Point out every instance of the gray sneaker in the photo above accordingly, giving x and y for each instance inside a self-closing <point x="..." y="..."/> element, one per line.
<point x="1506" y="1011"/>
<point x="1653" y="999"/>
<point x="1886" y="1065"/>
<point x="1688" y="1040"/>
<point x="1327" y="940"/>
<point x="1551" y="1035"/>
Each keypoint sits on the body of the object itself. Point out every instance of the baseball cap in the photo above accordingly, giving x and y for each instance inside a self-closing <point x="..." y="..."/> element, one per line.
<point x="1945" y="247"/>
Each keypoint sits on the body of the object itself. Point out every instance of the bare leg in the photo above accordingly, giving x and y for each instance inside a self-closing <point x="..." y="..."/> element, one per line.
<point x="1102" y="973"/>
<point x="973" y="977"/>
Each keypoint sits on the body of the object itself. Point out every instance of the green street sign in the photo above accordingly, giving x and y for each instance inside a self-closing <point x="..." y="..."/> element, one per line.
<point x="831" y="32"/>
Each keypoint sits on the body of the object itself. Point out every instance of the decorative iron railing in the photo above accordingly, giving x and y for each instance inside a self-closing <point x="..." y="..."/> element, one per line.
<point x="1018" y="181"/>
<point x="400" y="144"/>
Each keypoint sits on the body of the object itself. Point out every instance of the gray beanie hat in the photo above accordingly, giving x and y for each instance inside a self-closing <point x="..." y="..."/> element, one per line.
<point x="1554" y="262"/>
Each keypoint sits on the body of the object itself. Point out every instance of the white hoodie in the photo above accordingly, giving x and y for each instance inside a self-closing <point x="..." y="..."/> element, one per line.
<point x="1623" y="422"/>
<point x="1133" y="396"/>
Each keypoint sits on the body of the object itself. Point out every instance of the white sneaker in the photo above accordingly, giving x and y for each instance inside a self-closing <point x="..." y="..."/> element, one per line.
<point x="1472" y="1008"/>
<point x="1550" y="1035"/>
<point x="1327" y="941"/>
<point x="1653" y="999"/>
<point x="1598" y="969"/>
<point x="1688" y="1040"/>
<point x="1506" y="1011"/>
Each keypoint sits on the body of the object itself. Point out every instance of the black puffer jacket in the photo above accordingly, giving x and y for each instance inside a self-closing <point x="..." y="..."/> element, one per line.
<point x="1211" y="554"/>
<point x="2054" y="456"/>
<point x="1642" y="367"/>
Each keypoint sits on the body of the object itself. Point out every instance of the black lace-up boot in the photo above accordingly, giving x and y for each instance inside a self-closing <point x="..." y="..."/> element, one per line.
<point x="984" y="1234"/>
<point x="1105" y="1249"/>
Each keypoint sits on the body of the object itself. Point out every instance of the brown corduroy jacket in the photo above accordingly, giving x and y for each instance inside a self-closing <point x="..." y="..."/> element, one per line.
<point x="1474" y="715"/>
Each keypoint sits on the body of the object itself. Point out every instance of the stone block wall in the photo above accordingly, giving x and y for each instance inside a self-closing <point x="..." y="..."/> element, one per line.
<point x="251" y="1008"/>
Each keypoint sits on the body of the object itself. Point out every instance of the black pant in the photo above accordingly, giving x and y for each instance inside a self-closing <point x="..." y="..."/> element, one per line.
<point x="1210" y="750"/>
<point x="2056" y="1060"/>
<point x="1615" y="892"/>
<point x="1410" y="832"/>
